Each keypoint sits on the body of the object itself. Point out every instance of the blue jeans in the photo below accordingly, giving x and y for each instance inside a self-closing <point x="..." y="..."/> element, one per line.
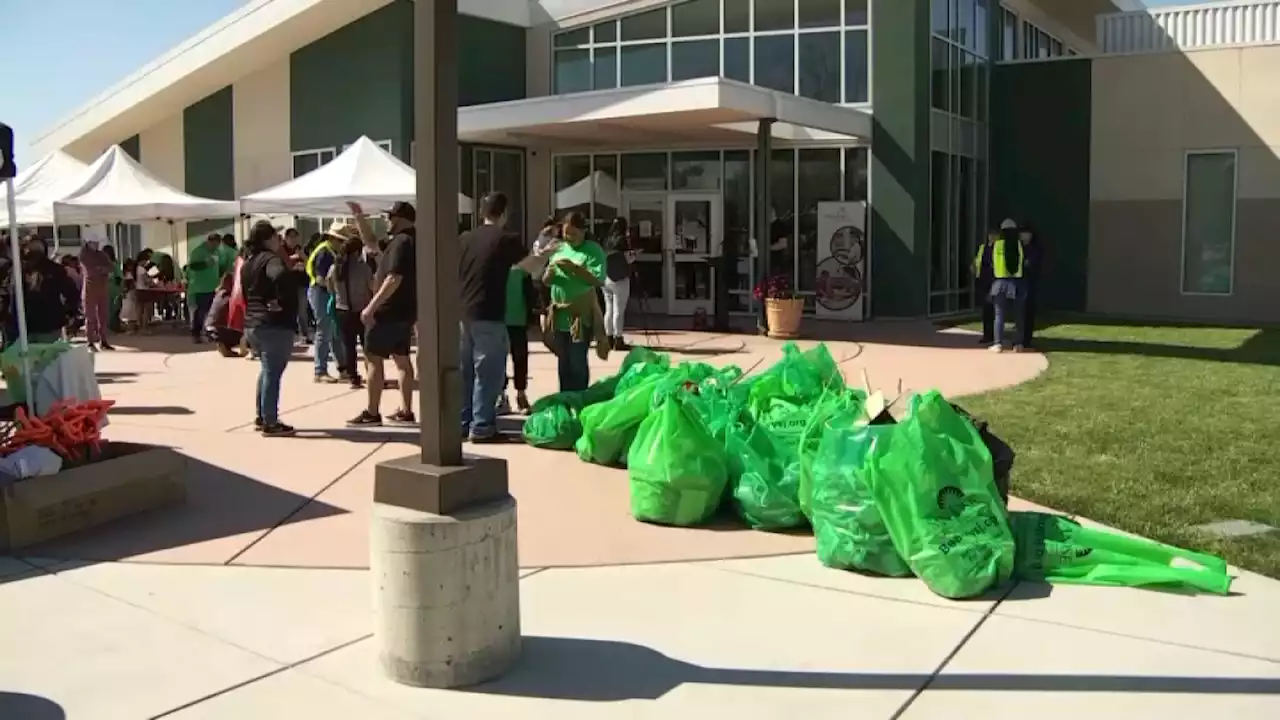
<point x="274" y="345"/>
<point x="1007" y="296"/>
<point x="326" y="330"/>
<point x="482" y="357"/>
<point x="575" y="373"/>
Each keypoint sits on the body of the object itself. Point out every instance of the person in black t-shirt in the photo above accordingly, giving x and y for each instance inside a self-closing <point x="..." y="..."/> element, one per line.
<point x="391" y="315"/>
<point x="487" y="254"/>
<point x="271" y="312"/>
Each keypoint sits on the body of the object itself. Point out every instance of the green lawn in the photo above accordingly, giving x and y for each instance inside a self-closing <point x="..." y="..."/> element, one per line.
<point x="1152" y="430"/>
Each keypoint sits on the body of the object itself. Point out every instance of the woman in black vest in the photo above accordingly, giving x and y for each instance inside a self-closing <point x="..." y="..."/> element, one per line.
<point x="271" y="319"/>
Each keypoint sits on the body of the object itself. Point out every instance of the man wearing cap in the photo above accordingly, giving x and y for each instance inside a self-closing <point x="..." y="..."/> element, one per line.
<point x="391" y="314"/>
<point x="203" y="277"/>
<point x="96" y="297"/>
<point x="318" y="264"/>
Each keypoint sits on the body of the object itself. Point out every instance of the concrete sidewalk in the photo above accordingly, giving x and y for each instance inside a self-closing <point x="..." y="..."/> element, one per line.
<point x="252" y="601"/>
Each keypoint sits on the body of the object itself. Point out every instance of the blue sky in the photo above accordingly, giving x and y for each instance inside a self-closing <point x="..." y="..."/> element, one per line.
<point x="61" y="53"/>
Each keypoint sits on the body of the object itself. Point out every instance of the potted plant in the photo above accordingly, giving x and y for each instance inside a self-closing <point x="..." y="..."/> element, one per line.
<point x="783" y="309"/>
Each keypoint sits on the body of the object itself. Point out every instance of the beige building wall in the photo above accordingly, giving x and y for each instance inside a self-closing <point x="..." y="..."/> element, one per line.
<point x="1149" y="111"/>
<point x="260" y="112"/>
<point x="163" y="155"/>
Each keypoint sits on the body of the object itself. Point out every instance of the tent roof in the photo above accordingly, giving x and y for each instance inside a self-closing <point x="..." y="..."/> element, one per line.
<point x="116" y="188"/>
<point x="363" y="173"/>
<point x="51" y="178"/>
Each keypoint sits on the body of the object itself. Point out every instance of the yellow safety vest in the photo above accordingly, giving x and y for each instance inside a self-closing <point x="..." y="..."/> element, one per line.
<point x="311" y="262"/>
<point x="999" y="268"/>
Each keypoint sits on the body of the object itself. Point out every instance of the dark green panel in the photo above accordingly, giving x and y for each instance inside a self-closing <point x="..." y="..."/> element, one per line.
<point x="900" y="157"/>
<point x="353" y="82"/>
<point x="133" y="146"/>
<point x="491" y="61"/>
<point x="1040" y="145"/>
<point x="208" y="155"/>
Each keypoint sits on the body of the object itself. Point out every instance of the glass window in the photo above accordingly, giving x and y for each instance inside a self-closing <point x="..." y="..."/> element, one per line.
<point x="775" y="15"/>
<point x="737" y="16"/>
<point x="572" y="188"/>
<point x="939" y="17"/>
<point x="939" y="185"/>
<point x="818" y="175"/>
<point x="968" y="83"/>
<point x="857" y="171"/>
<point x="964" y="30"/>
<point x="963" y="247"/>
<point x="737" y="59"/>
<point x="782" y="186"/>
<point x="605" y="32"/>
<point x="698" y="170"/>
<point x="508" y="178"/>
<point x="857" y="88"/>
<point x="695" y="59"/>
<point x="980" y="24"/>
<point x="602" y="210"/>
<point x="941" y="78"/>
<point x="1042" y="44"/>
<point x="573" y="38"/>
<point x="304" y="163"/>
<point x="1029" y="36"/>
<point x="820" y="66"/>
<point x="1209" y="223"/>
<point x="697" y="17"/>
<point x="649" y="25"/>
<point x="1055" y="48"/>
<point x="644" y="171"/>
<point x="644" y="64"/>
<point x="573" y="71"/>
<point x="855" y="12"/>
<point x="1009" y="36"/>
<point x="775" y="62"/>
<point x="737" y="225"/>
<point x="605" y="68"/>
<point x="819" y="13"/>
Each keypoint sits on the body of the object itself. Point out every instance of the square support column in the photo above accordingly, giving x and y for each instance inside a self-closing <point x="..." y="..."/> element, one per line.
<point x="443" y="547"/>
<point x="763" y="233"/>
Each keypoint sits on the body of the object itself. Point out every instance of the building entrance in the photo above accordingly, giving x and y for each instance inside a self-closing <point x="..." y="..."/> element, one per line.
<point x="676" y="236"/>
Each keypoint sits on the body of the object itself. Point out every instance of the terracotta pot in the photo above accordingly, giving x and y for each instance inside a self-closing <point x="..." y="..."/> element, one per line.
<point x="784" y="318"/>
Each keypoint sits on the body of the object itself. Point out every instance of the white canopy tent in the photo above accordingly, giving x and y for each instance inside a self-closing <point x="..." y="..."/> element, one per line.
<point x="596" y="187"/>
<point x="364" y="173"/>
<point x="51" y="178"/>
<point x="116" y="189"/>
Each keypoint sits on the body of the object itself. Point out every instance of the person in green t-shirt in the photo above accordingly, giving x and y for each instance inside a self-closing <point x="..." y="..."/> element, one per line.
<point x="574" y="271"/>
<point x="203" y="276"/>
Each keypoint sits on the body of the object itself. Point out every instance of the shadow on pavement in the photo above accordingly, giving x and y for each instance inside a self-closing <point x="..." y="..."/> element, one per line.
<point x="608" y="671"/>
<point x="220" y="504"/>
<point x="150" y="410"/>
<point x="21" y="706"/>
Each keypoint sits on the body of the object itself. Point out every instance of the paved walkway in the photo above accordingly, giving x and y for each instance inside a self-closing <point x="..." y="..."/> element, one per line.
<point x="252" y="600"/>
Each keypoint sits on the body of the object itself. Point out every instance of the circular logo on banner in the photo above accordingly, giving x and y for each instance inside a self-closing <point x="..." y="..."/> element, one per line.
<point x="840" y="282"/>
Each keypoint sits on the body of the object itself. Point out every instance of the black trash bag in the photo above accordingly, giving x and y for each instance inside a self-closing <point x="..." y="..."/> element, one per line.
<point x="1002" y="456"/>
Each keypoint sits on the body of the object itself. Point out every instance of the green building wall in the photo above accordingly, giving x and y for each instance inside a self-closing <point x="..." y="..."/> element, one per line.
<point x="1041" y="120"/>
<point x="208" y="153"/>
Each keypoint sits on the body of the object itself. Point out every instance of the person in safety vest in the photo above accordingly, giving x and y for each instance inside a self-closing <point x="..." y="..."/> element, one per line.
<point x="318" y="264"/>
<point x="982" y="287"/>
<point x="1004" y="257"/>
<point x="1032" y="270"/>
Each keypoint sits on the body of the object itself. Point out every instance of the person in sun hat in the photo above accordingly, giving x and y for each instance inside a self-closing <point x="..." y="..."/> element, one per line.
<point x="319" y="262"/>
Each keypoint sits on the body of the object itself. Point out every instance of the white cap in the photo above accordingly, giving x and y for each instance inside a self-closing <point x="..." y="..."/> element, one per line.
<point x="1008" y="224"/>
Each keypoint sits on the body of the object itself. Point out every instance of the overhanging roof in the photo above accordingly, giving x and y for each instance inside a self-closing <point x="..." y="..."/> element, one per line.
<point x="711" y="111"/>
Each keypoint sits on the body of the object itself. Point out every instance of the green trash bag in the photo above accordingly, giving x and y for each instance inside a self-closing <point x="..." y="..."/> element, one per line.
<point x="1055" y="549"/>
<point x="678" y="473"/>
<point x="761" y="494"/>
<point x="932" y="478"/>
<point x="845" y="402"/>
<point x="553" y="421"/>
<point x="806" y="374"/>
<point x="609" y="427"/>
<point x="847" y="525"/>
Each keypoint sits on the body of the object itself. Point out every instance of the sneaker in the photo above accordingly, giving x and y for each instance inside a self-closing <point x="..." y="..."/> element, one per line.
<point x="997" y="348"/>
<point x="522" y="402"/>
<point x="91" y="347"/>
<point x="403" y="417"/>
<point x="490" y="439"/>
<point x="365" y="419"/>
<point x="278" y="429"/>
<point x="504" y="406"/>
<point x="106" y="346"/>
<point x="257" y="423"/>
<point x="357" y="382"/>
<point x="326" y="379"/>
<point x="224" y="351"/>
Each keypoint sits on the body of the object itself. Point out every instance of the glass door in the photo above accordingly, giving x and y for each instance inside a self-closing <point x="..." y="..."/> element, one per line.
<point x="694" y="238"/>
<point x="646" y="217"/>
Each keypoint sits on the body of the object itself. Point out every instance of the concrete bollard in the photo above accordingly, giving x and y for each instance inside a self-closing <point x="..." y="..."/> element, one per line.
<point x="446" y="593"/>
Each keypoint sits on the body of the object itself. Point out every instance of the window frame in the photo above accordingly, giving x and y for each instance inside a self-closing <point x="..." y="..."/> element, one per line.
<point x="1234" y="153"/>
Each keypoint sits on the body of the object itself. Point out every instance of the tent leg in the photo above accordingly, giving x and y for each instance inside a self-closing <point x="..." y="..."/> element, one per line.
<point x="19" y="293"/>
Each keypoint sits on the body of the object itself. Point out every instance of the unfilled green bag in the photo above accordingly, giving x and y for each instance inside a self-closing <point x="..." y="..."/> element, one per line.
<point x="931" y="476"/>
<point x="678" y="473"/>
<point x="608" y="428"/>
<point x="553" y="423"/>
<point x="1056" y="549"/>
<point x="847" y="524"/>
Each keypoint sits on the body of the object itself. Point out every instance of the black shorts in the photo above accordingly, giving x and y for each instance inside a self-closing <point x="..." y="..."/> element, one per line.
<point x="388" y="338"/>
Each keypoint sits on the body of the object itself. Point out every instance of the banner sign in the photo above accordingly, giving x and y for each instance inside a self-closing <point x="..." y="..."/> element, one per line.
<point x="842" y="260"/>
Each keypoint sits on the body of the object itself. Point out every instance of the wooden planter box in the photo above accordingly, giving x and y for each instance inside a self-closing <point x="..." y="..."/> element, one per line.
<point x="130" y="479"/>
